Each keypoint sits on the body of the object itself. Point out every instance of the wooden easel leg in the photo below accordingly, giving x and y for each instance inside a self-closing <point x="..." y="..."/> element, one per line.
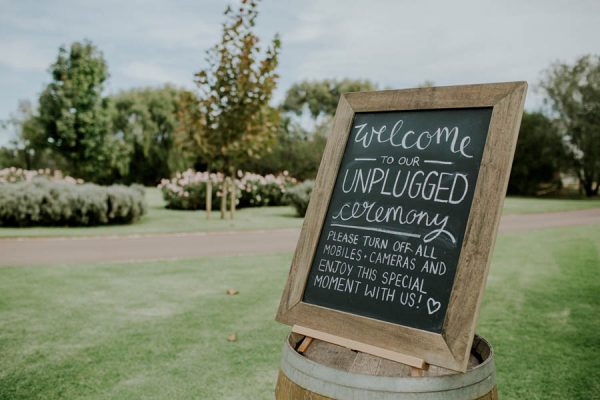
<point x="304" y="344"/>
<point x="414" y="371"/>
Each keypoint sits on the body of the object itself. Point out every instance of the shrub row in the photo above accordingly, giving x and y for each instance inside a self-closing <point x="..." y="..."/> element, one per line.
<point x="299" y="196"/>
<point x="187" y="190"/>
<point x="42" y="202"/>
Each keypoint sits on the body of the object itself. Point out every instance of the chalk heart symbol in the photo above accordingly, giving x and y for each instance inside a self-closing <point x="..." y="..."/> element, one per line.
<point x="433" y="306"/>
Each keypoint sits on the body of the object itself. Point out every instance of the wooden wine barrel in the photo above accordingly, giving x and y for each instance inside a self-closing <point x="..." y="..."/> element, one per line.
<point x="327" y="371"/>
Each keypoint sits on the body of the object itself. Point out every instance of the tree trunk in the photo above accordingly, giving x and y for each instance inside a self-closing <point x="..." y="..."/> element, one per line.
<point x="223" y="198"/>
<point x="587" y="184"/>
<point x="208" y="197"/>
<point x="232" y="199"/>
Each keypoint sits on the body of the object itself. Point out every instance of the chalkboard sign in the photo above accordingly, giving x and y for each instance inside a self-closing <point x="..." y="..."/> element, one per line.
<point x="396" y="243"/>
<point x="397" y="216"/>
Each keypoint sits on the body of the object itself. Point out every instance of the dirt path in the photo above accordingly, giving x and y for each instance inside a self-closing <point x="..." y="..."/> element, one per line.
<point x="177" y="246"/>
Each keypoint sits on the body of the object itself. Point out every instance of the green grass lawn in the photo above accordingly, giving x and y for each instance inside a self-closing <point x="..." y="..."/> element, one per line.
<point x="141" y="331"/>
<point x="158" y="330"/>
<point x="159" y="220"/>
<point x="541" y="312"/>
<point x="529" y="205"/>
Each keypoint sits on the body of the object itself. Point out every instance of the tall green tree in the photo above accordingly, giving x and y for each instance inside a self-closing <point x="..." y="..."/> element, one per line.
<point x="146" y="120"/>
<point x="321" y="97"/>
<point x="74" y="115"/>
<point x="574" y="94"/>
<point x="539" y="157"/>
<point x="230" y="120"/>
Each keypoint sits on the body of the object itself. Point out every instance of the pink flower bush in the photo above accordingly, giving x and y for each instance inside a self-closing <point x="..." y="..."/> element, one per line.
<point x="14" y="175"/>
<point x="256" y="190"/>
<point x="187" y="190"/>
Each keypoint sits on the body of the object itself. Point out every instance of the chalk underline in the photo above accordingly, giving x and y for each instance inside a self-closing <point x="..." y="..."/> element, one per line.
<point x="438" y="162"/>
<point x="364" y="228"/>
<point x="425" y="161"/>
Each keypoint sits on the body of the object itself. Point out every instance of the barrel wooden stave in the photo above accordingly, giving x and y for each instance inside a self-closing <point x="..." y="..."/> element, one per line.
<point x="328" y="371"/>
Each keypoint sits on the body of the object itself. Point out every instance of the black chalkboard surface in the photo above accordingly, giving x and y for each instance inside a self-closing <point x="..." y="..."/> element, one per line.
<point x="394" y="228"/>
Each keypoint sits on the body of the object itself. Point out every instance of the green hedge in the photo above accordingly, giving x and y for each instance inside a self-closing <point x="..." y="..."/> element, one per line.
<point x="49" y="203"/>
<point x="299" y="196"/>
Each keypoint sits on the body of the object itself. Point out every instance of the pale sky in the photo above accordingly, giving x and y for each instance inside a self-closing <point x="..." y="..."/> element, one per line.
<point x="397" y="44"/>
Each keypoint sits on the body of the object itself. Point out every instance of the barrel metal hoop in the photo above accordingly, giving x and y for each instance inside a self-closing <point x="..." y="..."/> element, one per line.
<point x="331" y="382"/>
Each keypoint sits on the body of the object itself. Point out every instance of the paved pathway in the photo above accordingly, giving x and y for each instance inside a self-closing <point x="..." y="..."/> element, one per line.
<point x="28" y="251"/>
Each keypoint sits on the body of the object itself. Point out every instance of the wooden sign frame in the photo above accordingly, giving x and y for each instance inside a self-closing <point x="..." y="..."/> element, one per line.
<point x="451" y="348"/>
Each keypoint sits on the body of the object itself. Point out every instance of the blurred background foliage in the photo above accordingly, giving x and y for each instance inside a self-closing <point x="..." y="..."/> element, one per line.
<point x="143" y="135"/>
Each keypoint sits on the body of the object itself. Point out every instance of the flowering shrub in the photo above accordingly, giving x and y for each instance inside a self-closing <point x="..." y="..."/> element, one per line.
<point x="256" y="190"/>
<point x="300" y="196"/>
<point x="14" y="175"/>
<point x="43" y="202"/>
<point x="187" y="190"/>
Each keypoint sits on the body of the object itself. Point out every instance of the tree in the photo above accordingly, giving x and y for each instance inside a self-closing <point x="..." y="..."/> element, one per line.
<point x="574" y="94"/>
<point x="321" y="97"/>
<point x="74" y="116"/>
<point x="146" y="120"/>
<point x="299" y="149"/>
<point x="21" y="153"/>
<point x="295" y="150"/>
<point x="27" y="149"/>
<point x="426" y="84"/>
<point x="539" y="157"/>
<point x="230" y="121"/>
